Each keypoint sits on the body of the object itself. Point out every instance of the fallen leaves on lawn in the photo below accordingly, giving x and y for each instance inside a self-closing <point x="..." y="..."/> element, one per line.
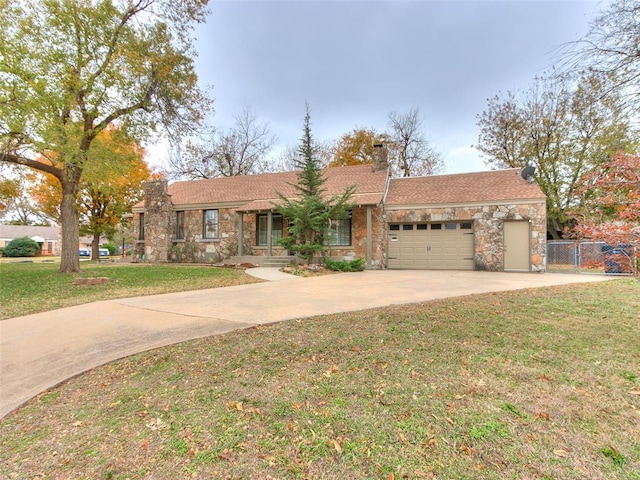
<point x="335" y="443"/>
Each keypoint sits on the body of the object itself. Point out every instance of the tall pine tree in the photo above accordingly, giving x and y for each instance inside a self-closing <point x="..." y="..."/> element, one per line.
<point x="310" y="213"/>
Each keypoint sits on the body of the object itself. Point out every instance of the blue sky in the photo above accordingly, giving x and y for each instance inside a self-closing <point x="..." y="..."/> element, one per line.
<point x="355" y="61"/>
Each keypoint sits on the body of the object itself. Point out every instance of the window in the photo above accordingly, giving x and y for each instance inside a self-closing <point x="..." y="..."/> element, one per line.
<point x="210" y="224"/>
<point x="465" y="226"/>
<point x="421" y="226"/>
<point x="407" y="226"/>
<point x="395" y="226"/>
<point x="450" y="226"/>
<point x="141" y="227"/>
<point x="339" y="233"/>
<point x="436" y="226"/>
<point x="276" y="229"/>
<point x="180" y="225"/>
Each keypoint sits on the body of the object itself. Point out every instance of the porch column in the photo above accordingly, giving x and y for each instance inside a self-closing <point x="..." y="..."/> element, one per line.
<point x="369" y="234"/>
<point x="240" y="234"/>
<point x="269" y="229"/>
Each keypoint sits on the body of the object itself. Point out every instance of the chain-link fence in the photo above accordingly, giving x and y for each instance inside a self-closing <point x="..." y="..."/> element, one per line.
<point x="589" y="257"/>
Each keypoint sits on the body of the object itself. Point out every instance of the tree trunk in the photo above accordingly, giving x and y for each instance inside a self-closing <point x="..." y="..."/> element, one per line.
<point x="70" y="256"/>
<point x="95" y="247"/>
<point x="552" y="229"/>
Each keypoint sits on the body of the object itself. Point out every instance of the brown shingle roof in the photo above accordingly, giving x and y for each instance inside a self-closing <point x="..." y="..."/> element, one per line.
<point x="257" y="192"/>
<point x="499" y="185"/>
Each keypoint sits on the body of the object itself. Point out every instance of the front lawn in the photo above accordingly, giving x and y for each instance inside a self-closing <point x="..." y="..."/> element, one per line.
<point x="36" y="287"/>
<point x="532" y="384"/>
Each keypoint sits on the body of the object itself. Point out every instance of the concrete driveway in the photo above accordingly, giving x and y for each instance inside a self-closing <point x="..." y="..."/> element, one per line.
<point x="39" y="351"/>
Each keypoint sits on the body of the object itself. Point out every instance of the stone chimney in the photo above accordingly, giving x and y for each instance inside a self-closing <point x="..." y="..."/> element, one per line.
<point x="380" y="161"/>
<point x="157" y="220"/>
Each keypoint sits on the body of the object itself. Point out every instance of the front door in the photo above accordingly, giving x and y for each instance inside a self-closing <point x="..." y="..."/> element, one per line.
<point x="517" y="250"/>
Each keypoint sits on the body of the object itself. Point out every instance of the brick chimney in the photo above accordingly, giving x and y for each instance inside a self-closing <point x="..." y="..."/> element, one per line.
<point x="380" y="154"/>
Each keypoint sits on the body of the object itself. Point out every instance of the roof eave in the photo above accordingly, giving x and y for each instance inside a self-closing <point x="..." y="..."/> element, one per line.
<point x="415" y="206"/>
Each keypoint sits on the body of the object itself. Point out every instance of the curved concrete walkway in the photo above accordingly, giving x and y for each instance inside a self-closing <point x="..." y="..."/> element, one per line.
<point x="39" y="351"/>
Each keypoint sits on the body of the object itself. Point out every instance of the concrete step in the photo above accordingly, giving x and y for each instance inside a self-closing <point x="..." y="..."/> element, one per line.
<point x="263" y="261"/>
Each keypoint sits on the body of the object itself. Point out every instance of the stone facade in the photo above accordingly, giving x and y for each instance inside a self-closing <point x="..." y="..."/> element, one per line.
<point x="161" y="244"/>
<point x="155" y="245"/>
<point x="369" y="223"/>
<point x="194" y="247"/>
<point x="488" y="226"/>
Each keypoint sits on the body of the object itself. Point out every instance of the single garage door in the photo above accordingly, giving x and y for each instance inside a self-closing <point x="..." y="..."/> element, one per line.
<point x="431" y="246"/>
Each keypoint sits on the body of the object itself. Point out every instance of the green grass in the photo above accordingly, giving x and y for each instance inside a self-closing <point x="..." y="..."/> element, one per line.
<point x="31" y="288"/>
<point x="532" y="384"/>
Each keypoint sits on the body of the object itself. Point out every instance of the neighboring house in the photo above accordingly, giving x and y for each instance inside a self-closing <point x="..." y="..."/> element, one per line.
<point x="86" y="242"/>
<point x="475" y="221"/>
<point x="47" y="237"/>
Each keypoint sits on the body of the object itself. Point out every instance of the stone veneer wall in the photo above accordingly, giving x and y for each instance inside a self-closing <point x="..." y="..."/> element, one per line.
<point x="193" y="248"/>
<point x="488" y="221"/>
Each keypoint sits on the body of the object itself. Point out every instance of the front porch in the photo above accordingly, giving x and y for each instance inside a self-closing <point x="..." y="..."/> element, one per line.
<point x="260" y="227"/>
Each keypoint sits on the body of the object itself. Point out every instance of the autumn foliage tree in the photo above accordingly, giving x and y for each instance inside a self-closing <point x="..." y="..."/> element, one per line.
<point x="109" y="187"/>
<point x="9" y="192"/>
<point x="70" y="69"/>
<point x="356" y="147"/>
<point x="410" y="153"/>
<point x="610" y="210"/>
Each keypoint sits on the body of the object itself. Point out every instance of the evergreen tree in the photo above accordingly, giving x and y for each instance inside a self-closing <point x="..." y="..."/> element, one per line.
<point x="310" y="212"/>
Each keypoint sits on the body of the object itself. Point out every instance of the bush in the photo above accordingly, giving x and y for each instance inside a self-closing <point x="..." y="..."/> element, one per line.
<point x="109" y="246"/>
<point x="345" y="265"/>
<point x="22" y="247"/>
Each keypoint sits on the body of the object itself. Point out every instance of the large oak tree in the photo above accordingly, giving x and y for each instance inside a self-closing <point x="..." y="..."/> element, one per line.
<point x="71" y="68"/>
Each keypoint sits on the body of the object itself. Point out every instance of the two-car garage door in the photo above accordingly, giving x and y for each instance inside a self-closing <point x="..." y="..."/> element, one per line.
<point x="435" y="246"/>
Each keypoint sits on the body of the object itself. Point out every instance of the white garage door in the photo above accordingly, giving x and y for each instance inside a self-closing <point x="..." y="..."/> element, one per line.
<point x="432" y="246"/>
